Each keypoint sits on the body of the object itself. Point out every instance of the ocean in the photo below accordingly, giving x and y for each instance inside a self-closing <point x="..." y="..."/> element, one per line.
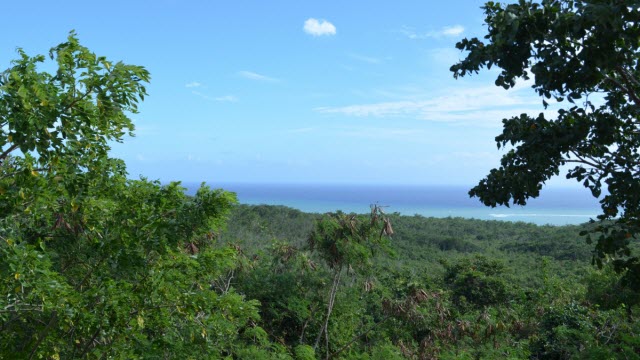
<point x="555" y="206"/>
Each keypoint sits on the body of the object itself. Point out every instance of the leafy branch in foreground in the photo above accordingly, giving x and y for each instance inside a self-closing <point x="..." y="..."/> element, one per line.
<point x="93" y="265"/>
<point x="585" y="53"/>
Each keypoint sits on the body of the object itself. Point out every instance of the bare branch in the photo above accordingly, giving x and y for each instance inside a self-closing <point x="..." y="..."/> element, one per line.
<point x="627" y="86"/>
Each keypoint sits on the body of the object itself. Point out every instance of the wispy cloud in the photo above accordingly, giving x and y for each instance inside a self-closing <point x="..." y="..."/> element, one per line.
<point x="204" y="96"/>
<point x="193" y="84"/>
<point x="367" y="59"/>
<point x="455" y="30"/>
<point x="479" y="106"/>
<point x="447" y="31"/>
<point x="317" y="27"/>
<point x="225" y="98"/>
<point x="255" y="76"/>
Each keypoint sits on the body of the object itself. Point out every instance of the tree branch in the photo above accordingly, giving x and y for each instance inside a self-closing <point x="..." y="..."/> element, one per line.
<point x="628" y="84"/>
<point x="87" y="347"/>
<point x="74" y="102"/>
<point x="7" y="152"/>
<point x="332" y="296"/>
<point x="581" y="160"/>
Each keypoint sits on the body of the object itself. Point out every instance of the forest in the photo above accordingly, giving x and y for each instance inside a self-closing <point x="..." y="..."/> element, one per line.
<point x="96" y="265"/>
<point x="444" y="288"/>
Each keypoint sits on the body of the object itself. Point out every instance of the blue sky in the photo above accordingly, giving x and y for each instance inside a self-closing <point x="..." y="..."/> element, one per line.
<point x="291" y="91"/>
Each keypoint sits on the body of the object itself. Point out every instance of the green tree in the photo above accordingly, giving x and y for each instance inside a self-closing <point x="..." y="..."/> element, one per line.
<point x="584" y="54"/>
<point x="93" y="265"/>
<point x="60" y="124"/>
<point x="346" y="242"/>
<point x="290" y="288"/>
<point x="477" y="281"/>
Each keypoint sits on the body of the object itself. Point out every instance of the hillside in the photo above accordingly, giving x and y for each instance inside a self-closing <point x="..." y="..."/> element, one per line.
<point x="449" y="288"/>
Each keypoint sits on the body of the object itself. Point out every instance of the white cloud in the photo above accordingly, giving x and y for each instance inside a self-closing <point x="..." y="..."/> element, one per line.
<point x="367" y="59"/>
<point x="455" y="30"/>
<point x="204" y="96"/>
<point x="450" y="31"/>
<point x="317" y="27"/>
<point x="479" y="106"/>
<point x="255" y="76"/>
<point x="226" y="98"/>
<point x="193" y="84"/>
<point x="382" y="109"/>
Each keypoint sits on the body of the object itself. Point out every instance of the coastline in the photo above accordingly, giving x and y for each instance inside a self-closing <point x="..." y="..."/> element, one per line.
<point x="554" y="207"/>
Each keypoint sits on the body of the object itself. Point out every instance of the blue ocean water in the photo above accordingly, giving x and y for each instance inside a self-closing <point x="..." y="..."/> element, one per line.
<point x="559" y="206"/>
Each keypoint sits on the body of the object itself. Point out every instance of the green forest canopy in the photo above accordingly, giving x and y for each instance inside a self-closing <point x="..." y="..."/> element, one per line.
<point x="95" y="265"/>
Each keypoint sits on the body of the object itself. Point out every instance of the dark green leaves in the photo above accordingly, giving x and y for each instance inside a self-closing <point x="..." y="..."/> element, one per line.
<point x="574" y="49"/>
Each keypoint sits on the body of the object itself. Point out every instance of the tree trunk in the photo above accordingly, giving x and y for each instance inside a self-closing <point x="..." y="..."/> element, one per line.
<point x="332" y="297"/>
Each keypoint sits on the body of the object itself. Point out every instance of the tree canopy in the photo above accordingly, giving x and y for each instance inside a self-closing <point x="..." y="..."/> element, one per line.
<point x="93" y="265"/>
<point x="583" y="54"/>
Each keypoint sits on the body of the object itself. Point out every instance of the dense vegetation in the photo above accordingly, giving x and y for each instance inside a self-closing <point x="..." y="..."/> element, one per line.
<point x="98" y="266"/>
<point x="452" y="288"/>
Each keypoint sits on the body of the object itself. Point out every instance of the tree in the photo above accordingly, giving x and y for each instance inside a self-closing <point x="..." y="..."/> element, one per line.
<point x="66" y="119"/>
<point x="346" y="242"/>
<point x="93" y="265"/>
<point x="477" y="281"/>
<point x="584" y="55"/>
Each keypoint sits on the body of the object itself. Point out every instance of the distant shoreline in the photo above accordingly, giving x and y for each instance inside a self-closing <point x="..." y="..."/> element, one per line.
<point x="556" y="206"/>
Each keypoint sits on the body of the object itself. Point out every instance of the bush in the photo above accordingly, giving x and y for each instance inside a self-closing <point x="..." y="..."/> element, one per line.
<point x="478" y="281"/>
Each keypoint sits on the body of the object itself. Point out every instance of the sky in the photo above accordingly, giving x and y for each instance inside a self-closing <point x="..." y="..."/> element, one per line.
<point x="335" y="92"/>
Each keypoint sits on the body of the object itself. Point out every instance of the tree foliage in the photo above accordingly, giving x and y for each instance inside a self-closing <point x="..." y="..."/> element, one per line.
<point x="478" y="281"/>
<point x="347" y="242"/>
<point x="584" y="54"/>
<point x="93" y="265"/>
<point x="431" y="302"/>
<point x="61" y="124"/>
<point x="97" y="266"/>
